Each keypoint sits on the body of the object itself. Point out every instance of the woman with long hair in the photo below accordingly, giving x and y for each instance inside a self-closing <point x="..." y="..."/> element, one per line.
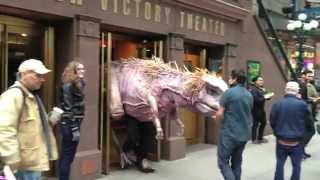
<point x="72" y="103"/>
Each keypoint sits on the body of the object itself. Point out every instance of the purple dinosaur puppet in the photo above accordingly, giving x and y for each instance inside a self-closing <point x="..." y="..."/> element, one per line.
<point x="150" y="90"/>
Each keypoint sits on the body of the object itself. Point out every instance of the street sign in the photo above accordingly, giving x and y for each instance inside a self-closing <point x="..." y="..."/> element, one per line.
<point x="313" y="12"/>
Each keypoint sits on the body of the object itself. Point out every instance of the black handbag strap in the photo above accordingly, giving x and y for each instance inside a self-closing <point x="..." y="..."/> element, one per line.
<point x="23" y="103"/>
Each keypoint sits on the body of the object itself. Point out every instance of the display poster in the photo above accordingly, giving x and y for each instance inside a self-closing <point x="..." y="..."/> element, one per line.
<point x="253" y="70"/>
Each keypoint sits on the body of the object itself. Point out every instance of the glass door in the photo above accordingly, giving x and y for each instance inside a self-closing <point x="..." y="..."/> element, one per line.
<point x="20" y="40"/>
<point x="3" y="56"/>
<point x="195" y="57"/>
<point x="105" y="75"/>
<point x="22" y="43"/>
<point x="115" y="47"/>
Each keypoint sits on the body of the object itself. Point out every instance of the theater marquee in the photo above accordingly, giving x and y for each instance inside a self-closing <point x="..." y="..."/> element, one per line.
<point x="154" y="12"/>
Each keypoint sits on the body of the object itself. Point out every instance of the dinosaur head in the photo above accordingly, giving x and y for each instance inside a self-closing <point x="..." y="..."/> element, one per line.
<point x="206" y="93"/>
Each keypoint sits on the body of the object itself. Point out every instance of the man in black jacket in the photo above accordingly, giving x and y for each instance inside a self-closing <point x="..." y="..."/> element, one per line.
<point x="287" y="120"/>
<point x="309" y="121"/>
<point x="258" y="113"/>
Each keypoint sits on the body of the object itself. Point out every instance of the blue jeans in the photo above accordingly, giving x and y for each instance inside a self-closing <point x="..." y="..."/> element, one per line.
<point x="295" y="153"/>
<point x="28" y="175"/>
<point x="230" y="157"/>
<point x="68" y="151"/>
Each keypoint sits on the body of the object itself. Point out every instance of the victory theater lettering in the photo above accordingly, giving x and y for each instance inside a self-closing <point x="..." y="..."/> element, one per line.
<point x="157" y="13"/>
<point x="139" y="9"/>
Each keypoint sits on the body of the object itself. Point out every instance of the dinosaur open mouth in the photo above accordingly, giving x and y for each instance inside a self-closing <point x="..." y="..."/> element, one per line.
<point x="206" y="109"/>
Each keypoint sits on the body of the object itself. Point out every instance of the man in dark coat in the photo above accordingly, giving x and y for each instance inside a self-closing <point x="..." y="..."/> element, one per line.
<point x="287" y="120"/>
<point x="309" y="121"/>
<point x="258" y="113"/>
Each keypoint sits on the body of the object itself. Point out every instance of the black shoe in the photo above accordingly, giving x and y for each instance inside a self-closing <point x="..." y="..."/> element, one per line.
<point x="263" y="140"/>
<point x="255" y="142"/>
<point x="306" y="155"/>
<point x="144" y="166"/>
<point x="147" y="170"/>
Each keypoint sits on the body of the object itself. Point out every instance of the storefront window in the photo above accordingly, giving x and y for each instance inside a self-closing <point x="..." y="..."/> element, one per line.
<point x="308" y="58"/>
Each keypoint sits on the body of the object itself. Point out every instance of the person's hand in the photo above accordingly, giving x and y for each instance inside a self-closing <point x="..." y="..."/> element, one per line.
<point x="268" y="96"/>
<point x="180" y="130"/>
<point x="214" y="116"/>
<point x="159" y="135"/>
<point x="53" y="121"/>
<point x="315" y="100"/>
<point x="8" y="173"/>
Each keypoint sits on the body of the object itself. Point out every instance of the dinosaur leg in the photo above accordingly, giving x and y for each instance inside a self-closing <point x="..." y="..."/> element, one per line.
<point x="174" y="116"/>
<point x="156" y="121"/>
<point x="124" y="160"/>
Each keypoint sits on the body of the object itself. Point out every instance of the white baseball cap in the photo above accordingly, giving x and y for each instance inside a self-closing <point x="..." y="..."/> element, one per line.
<point x="33" y="65"/>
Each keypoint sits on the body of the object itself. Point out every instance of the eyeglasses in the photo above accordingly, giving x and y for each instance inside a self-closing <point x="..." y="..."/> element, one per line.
<point x="40" y="76"/>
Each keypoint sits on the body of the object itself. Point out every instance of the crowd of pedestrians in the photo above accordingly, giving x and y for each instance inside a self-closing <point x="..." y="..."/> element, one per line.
<point x="242" y="114"/>
<point x="27" y="140"/>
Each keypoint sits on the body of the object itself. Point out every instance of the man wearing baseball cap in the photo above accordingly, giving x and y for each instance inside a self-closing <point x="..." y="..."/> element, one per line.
<point x="287" y="120"/>
<point x="26" y="138"/>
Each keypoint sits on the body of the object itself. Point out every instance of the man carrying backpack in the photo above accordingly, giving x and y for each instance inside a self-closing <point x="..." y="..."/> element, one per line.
<point x="26" y="138"/>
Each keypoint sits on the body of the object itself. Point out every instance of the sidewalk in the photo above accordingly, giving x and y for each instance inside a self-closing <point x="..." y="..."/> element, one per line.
<point x="201" y="164"/>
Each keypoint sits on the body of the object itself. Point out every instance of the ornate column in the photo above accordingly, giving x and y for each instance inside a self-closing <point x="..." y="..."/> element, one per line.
<point x="173" y="146"/>
<point x="87" y="163"/>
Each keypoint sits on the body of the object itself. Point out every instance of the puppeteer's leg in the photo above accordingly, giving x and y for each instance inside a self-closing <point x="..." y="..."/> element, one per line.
<point x="132" y="141"/>
<point x="147" y="132"/>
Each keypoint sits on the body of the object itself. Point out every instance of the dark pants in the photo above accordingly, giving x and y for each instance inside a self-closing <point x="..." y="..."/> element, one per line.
<point x="68" y="151"/>
<point x="309" y="132"/>
<point x="230" y="157"/>
<point x="140" y="137"/>
<point x="259" y="124"/>
<point x="295" y="153"/>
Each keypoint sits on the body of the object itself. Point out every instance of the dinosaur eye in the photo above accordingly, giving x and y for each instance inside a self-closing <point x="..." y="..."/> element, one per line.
<point x="210" y="90"/>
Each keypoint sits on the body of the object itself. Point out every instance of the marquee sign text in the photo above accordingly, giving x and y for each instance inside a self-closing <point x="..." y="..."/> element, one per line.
<point x="154" y="12"/>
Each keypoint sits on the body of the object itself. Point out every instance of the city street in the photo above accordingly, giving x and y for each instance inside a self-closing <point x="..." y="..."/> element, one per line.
<point x="201" y="164"/>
